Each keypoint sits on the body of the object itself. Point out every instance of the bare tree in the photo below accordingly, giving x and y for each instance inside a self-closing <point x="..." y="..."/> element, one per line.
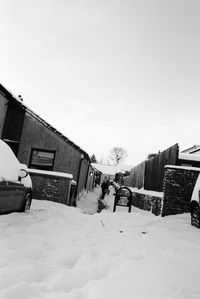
<point x="117" y="155"/>
<point x="101" y="161"/>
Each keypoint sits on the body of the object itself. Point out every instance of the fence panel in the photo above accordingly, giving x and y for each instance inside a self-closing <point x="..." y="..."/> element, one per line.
<point x="154" y="168"/>
<point x="137" y="176"/>
<point x="126" y="180"/>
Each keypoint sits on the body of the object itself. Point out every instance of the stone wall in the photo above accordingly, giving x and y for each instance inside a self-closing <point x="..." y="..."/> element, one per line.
<point x="151" y="203"/>
<point x="178" y="186"/>
<point x="51" y="187"/>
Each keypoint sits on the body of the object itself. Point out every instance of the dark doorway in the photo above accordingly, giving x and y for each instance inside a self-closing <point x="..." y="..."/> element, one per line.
<point x="13" y="125"/>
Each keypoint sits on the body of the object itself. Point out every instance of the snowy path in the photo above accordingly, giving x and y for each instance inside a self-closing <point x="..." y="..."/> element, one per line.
<point x="55" y="251"/>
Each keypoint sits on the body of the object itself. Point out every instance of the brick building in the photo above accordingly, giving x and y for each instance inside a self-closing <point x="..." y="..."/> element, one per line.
<point x="38" y="144"/>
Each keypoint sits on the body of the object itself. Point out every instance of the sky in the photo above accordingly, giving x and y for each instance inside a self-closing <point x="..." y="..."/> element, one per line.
<point x="107" y="73"/>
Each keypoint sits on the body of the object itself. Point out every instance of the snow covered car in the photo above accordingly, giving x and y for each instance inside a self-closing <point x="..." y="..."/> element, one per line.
<point x="195" y="204"/>
<point x="15" y="182"/>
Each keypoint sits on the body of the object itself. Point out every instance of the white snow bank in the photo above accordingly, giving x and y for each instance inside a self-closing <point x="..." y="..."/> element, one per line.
<point x="147" y="192"/>
<point x="195" y="193"/>
<point x="88" y="201"/>
<point x="182" y="167"/>
<point x="59" y="252"/>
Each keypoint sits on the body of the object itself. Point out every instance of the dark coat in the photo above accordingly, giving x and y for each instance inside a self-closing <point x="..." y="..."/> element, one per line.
<point x="104" y="186"/>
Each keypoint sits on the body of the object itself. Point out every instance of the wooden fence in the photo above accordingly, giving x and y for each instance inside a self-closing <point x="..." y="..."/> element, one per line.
<point x="150" y="173"/>
<point x="137" y="175"/>
<point x="154" y="168"/>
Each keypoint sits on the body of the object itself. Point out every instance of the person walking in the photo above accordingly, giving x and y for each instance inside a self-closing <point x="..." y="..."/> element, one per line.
<point x="104" y="188"/>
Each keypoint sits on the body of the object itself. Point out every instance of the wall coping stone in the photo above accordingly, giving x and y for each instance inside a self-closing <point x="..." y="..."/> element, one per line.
<point x="147" y="192"/>
<point x="183" y="167"/>
<point x="51" y="173"/>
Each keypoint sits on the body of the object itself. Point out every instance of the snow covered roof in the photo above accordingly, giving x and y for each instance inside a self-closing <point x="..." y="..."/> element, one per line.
<point x="125" y="167"/>
<point x="53" y="173"/>
<point x="192" y="150"/>
<point x="105" y="169"/>
<point x="111" y="169"/>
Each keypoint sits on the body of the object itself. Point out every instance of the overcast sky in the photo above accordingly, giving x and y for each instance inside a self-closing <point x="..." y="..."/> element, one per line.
<point x="107" y="73"/>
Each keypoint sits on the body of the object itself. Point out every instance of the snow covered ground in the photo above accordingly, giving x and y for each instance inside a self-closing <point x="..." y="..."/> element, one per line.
<point x="55" y="251"/>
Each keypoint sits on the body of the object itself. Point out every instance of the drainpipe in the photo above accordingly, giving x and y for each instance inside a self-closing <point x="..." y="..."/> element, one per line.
<point x="87" y="176"/>
<point x="79" y="172"/>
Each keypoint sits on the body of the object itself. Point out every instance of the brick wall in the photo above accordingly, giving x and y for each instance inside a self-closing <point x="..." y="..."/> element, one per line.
<point x="50" y="187"/>
<point x="147" y="202"/>
<point x="178" y="186"/>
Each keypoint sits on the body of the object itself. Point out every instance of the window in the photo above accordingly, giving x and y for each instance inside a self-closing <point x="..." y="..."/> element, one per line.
<point x="42" y="159"/>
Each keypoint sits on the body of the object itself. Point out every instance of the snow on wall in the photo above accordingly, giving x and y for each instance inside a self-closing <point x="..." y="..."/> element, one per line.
<point x="52" y="173"/>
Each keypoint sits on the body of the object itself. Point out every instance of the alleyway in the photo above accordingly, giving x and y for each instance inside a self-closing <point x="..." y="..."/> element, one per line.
<point x="60" y="252"/>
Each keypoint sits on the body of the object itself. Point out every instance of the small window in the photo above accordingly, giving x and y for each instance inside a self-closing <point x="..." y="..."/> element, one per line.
<point x="41" y="159"/>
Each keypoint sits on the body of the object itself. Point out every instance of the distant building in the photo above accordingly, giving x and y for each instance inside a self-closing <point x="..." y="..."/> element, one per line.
<point x="190" y="157"/>
<point x="110" y="171"/>
<point x="195" y="149"/>
<point x="106" y="171"/>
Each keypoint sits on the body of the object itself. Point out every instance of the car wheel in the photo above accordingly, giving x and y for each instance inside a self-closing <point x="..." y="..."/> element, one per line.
<point x="195" y="217"/>
<point x="27" y="202"/>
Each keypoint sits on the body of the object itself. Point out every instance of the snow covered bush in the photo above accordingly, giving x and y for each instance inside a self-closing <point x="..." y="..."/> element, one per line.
<point x="88" y="201"/>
